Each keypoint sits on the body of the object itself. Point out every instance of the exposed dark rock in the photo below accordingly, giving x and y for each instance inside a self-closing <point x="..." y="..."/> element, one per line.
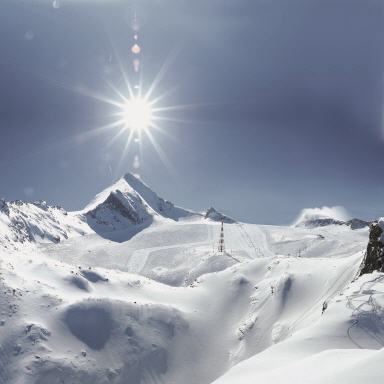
<point x="373" y="260"/>
<point x="4" y="207"/>
<point x="125" y="210"/>
<point x="214" y="215"/>
<point x="358" y="223"/>
<point x="323" y="222"/>
<point x="313" y="223"/>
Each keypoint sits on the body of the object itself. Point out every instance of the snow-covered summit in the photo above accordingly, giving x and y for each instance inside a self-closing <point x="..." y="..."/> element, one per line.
<point x="129" y="202"/>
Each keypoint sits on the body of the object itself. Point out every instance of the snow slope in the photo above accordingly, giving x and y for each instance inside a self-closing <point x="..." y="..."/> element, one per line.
<point x="149" y="301"/>
<point x="345" y="345"/>
<point x="22" y="223"/>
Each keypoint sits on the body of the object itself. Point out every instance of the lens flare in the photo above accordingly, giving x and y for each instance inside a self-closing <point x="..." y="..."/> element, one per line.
<point x="136" y="49"/>
<point x="137" y="114"/>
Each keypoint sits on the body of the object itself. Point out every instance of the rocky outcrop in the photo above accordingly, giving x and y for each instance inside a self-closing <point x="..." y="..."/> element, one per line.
<point x="323" y="222"/>
<point x="214" y="215"/>
<point x="358" y="223"/>
<point x="373" y="260"/>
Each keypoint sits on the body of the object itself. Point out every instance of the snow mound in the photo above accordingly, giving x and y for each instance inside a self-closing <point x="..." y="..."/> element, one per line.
<point x="135" y="337"/>
<point x="78" y="282"/>
<point x="210" y="264"/>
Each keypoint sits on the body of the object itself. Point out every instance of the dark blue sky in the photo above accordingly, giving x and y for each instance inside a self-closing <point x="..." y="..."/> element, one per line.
<point x="286" y="95"/>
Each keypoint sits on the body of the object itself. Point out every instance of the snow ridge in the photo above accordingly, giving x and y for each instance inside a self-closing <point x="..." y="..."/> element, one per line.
<point x="127" y="205"/>
<point x="22" y="223"/>
<point x="321" y="217"/>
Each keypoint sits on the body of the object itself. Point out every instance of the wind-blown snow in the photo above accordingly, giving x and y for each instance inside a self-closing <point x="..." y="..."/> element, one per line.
<point x="311" y="214"/>
<point x="120" y="299"/>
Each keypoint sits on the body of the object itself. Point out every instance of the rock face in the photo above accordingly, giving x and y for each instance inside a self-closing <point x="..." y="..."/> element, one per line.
<point x="214" y="215"/>
<point x="373" y="260"/>
<point x="358" y="223"/>
<point x="323" y="222"/>
<point x="322" y="217"/>
<point x="313" y="223"/>
<point x="127" y="204"/>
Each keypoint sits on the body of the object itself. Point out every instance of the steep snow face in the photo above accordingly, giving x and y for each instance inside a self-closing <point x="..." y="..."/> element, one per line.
<point x="343" y="346"/>
<point x="130" y="202"/>
<point x="22" y="223"/>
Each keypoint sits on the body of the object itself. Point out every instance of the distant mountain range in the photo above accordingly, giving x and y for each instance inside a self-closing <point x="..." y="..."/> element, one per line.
<point x="118" y="212"/>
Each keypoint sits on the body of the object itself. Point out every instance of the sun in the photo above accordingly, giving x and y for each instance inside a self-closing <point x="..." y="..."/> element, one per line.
<point x="137" y="114"/>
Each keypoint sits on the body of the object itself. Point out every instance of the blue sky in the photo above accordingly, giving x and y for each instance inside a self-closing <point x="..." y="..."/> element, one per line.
<point x="285" y="102"/>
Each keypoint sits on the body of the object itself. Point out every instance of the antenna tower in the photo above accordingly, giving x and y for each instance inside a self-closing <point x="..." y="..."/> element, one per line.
<point x="221" y="247"/>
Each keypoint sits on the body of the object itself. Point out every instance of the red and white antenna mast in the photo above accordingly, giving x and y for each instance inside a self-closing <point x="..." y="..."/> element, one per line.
<point x="221" y="247"/>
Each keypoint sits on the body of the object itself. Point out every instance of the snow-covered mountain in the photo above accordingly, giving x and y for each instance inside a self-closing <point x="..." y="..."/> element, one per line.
<point x="131" y="199"/>
<point x="132" y="290"/>
<point x="22" y="223"/>
<point x="321" y="217"/>
<point x="129" y="204"/>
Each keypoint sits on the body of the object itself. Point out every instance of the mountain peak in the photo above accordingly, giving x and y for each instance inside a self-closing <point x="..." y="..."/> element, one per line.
<point x="129" y="201"/>
<point x="214" y="215"/>
<point x="132" y="178"/>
